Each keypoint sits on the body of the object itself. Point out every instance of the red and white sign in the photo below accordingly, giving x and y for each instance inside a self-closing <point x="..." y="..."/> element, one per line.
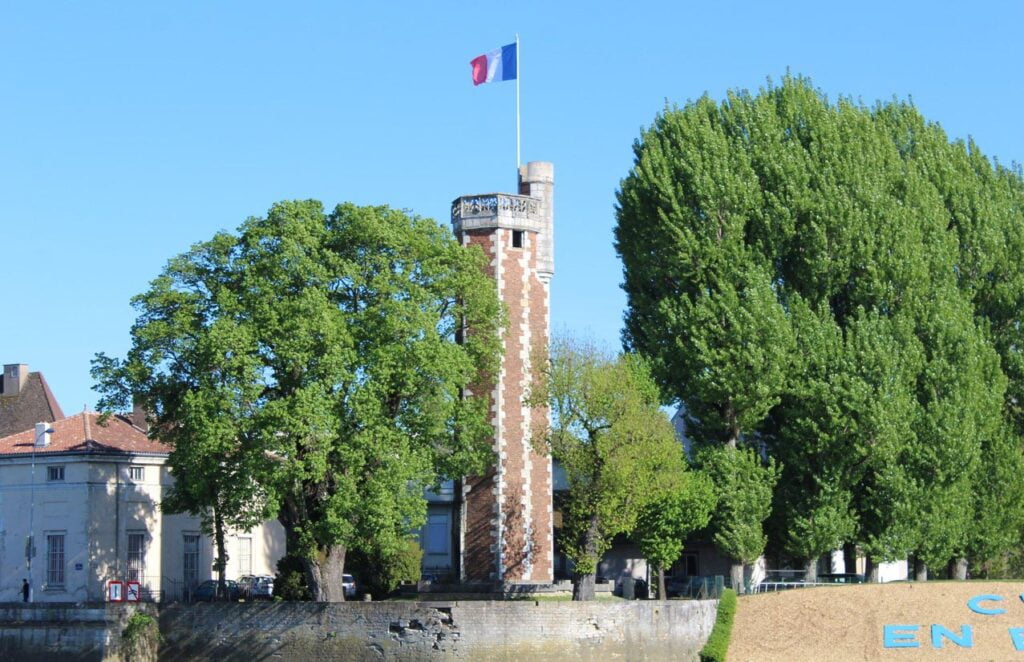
<point x="134" y="591"/>
<point x="115" y="591"/>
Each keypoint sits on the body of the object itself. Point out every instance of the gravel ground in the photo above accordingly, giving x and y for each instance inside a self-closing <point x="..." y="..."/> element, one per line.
<point x="840" y="623"/>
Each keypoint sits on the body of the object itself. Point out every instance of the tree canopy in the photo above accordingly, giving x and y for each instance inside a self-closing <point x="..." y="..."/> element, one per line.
<point x="832" y="285"/>
<point x="618" y="449"/>
<point x="319" y="356"/>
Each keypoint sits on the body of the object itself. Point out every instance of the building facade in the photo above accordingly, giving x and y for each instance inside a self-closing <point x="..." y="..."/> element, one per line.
<point x="79" y="507"/>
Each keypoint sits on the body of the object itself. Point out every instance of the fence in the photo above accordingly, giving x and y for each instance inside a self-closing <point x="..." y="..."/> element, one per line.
<point x="698" y="587"/>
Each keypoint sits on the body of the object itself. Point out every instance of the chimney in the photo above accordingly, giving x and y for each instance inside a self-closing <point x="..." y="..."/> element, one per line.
<point x="15" y="375"/>
<point x="43" y="431"/>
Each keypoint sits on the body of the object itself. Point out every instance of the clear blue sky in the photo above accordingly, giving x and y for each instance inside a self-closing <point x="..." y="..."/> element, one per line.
<point x="131" y="130"/>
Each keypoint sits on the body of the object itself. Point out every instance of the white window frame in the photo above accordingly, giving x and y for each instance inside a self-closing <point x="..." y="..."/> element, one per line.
<point x="244" y="556"/>
<point x="190" y="542"/>
<point x="56" y="559"/>
<point x="54" y="473"/>
<point x="136" y="559"/>
<point x="137" y="472"/>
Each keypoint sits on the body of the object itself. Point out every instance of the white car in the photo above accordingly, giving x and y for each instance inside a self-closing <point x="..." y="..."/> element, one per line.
<point x="348" y="585"/>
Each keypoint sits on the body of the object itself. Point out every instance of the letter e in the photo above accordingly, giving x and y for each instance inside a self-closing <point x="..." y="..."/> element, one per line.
<point x="900" y="636"/>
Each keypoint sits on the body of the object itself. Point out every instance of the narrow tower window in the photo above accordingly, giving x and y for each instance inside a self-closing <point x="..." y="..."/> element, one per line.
<point x="517" y="239"/>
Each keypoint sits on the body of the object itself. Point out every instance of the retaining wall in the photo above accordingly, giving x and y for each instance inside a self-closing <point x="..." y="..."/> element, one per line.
<point x="63" y="632"/>
<point x="463" y="630"/>
<point x="471" y="630"/>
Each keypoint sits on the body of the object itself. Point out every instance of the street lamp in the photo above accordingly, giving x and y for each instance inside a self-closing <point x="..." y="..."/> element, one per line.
<point x="42" y="430"/>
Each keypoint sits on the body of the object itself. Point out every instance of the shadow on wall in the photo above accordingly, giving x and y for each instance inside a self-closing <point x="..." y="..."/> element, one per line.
<point x="125" y="528"/>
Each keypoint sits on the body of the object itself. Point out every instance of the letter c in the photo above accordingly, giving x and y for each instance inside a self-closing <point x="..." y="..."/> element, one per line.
<point x="973" y="605"/>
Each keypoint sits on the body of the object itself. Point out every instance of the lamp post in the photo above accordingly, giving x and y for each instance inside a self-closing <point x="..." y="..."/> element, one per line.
<point x="30" y="546"/>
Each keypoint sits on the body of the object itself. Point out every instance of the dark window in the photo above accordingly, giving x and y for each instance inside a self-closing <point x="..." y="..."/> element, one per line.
<point x="517" y="239"/>
<point x="55" y="560"/>
<point x="54" y="473"/>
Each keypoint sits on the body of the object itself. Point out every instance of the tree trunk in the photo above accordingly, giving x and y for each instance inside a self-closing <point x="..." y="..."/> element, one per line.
<point x="850" y="558"/>
<point x="324" y="574"/>
<point x="583" y="586"/>
<point x="661" y="584"/>
<point x="870" y="570"/>
<point x="583" y="583"/>
<point x="736" y="576"/>
<point x="958" y="569"/>
<point x="221" y="562"/>
<point x="811" y="571"/>
<point x="920" y="570"/>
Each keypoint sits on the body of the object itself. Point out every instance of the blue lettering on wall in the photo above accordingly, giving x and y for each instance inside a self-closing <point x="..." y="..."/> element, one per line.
<point x="964" y="640"/>
<point x="1017" y="637"/>
<point x="900" y="636"/>
<point x="974" y="604"/>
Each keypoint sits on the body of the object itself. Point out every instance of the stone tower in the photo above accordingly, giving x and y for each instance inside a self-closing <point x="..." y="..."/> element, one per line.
<point x="505" y="518"/>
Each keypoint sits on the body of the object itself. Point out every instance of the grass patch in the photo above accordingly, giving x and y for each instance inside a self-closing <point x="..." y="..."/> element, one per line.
<point x="718" y="642"/>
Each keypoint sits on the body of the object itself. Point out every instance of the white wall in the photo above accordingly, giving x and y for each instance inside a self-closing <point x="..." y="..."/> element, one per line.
<point x="96" y="507"/>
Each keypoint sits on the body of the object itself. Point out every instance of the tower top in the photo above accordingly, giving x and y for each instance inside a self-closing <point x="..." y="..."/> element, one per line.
<point x="532" y="210"/>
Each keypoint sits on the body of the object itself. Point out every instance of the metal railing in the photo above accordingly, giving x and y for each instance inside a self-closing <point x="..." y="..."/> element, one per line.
<point x="770" y="587"/>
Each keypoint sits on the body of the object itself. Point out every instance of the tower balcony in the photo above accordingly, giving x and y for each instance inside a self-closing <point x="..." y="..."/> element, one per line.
<point x="497" y="210"/>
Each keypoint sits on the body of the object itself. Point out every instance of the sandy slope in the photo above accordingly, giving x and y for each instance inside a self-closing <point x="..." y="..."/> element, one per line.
<point x="847" y="622"/>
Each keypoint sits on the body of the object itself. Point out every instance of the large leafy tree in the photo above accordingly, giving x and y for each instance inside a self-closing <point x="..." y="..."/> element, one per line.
<point x="193" y="368"/>
<point x="854" y="275"/>
<point x="618" y="449"/>
<point x="351" y="395"/>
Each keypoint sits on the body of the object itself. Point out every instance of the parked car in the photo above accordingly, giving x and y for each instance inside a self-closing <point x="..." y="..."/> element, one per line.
<point x="259" y="587"/>
<point x="348" y="585"/>
<point x="207" y="591"/>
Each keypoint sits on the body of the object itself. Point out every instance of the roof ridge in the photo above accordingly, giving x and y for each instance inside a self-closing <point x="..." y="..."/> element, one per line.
<point x="85" y="419"/>
<point x="56" y="413"/>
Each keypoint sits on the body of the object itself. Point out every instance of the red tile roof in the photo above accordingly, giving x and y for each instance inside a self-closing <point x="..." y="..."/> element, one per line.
<point x="82" y="433"/>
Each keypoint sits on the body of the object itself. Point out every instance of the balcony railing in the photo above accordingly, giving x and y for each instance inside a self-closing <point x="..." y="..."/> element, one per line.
<point x="492" y="204"/>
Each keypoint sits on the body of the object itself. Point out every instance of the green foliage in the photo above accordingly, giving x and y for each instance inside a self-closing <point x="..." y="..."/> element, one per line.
<point x="141" y="637"/>
<point x="743" y="483"/>
<point x="843" y="285"/>
<point x="721" y="634"/>
<point x="313" y="361"/>
<point x="379" y="572"/>
<point x="665" y="523"/>
<point x="290" y="580"/>
<point x="618" y="449"/>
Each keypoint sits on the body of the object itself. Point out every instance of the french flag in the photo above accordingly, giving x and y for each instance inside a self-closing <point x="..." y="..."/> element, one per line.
<point x="499" y="64"/>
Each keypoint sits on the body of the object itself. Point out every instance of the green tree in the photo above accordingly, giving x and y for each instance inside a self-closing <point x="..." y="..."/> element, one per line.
<point x="665" y="524"/>
<point x="192" y="367"/>
<point x="743" y="486"/>
<point x="832" y="281"/>
<point x="356" y="395"/>
<point x="618" y="449"/>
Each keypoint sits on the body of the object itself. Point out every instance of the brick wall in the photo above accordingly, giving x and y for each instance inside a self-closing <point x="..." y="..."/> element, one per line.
<point x="507" y="532"/>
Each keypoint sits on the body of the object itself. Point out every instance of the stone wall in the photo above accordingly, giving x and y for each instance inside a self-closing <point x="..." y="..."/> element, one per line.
<point x="474" y="630"/>
<point x="64" y="632"/>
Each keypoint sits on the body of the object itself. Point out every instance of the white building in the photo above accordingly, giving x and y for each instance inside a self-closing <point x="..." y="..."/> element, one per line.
<point x="89" y="495"/>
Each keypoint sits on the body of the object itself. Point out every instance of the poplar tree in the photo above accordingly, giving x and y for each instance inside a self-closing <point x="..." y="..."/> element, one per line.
<point x="883" y="261"/>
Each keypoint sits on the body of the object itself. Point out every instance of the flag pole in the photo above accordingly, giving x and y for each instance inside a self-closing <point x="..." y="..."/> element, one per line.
<point x="517" y="105"/>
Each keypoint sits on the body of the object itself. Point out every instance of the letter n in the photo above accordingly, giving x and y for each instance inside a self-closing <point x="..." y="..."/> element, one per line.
<point x="964" y="640"/>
